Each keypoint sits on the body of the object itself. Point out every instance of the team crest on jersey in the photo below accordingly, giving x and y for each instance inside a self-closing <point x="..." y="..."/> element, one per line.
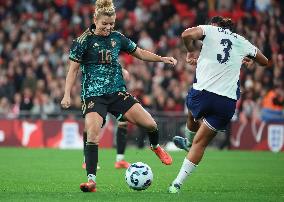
<point x="91" y="105"/>
<point x="113" y="43"/>
<point x="275" y="137"/>
<point x="96" y="45"/>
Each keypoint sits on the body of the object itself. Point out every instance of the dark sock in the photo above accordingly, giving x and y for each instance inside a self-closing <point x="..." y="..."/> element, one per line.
<point x="154" y="137"/>
<point x="142" y="133"/>
<point x="91" y="157"/>
<point x="84" y="143"/>
<point x="121" y="140"/>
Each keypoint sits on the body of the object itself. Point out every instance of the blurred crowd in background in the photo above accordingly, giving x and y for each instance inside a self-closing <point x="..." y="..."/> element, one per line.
<point x="35" y="37"/>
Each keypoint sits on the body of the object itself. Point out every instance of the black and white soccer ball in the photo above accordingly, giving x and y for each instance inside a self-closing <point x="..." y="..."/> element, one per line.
<point x="139" y="176"/>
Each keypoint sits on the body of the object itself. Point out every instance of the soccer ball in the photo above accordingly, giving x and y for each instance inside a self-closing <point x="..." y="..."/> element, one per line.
<point x="139" y="176"/>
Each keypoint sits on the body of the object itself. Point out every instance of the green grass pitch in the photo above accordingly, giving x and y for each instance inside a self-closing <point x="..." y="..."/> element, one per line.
<point x="55" y="175"/>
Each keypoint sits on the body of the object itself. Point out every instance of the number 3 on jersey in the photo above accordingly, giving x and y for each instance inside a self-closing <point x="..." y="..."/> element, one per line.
<point x="105" y="56"/>
<point x="227" y="49"/>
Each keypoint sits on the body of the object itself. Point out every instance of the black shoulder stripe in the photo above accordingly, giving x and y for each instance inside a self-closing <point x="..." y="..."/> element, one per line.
<point x="134" y="49"/>
<point x="75" y="60"/>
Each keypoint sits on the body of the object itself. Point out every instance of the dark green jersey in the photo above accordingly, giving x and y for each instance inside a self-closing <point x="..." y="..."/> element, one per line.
<point x="98" y="58"/>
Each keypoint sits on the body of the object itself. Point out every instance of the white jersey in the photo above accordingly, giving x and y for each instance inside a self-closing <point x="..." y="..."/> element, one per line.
<point x="219" y="62"/>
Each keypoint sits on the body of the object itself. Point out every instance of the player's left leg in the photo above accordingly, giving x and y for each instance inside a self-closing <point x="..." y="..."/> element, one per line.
<point x="121" y="145"/>
<point x="125" y="106"/>
<point x="138" y="115"/>
<point x="201" y="140"/>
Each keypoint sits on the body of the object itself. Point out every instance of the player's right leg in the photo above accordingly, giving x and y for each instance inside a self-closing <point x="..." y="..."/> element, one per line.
<point x="93" y="124"/>
<point x="202" y="138"/>
<point x="84" y="146"/>
<point x="190" y="130"/>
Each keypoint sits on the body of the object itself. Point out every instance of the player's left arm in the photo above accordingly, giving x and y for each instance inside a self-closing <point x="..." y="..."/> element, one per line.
<point x="131" y="48"/>
<point x="252" y="52"/>
<point x="260" y="58"/>
<point x="152" y="57"/>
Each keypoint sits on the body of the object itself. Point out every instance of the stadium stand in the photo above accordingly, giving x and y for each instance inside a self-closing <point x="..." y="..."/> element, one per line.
<point x="35" y="37"/>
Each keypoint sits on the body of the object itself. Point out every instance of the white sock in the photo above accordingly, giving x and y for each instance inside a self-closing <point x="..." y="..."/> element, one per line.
<point x="92" y="177"/>
<point x="189" y="135"/>
<point x="186" y="169"/>
<point x="119" y="157"/>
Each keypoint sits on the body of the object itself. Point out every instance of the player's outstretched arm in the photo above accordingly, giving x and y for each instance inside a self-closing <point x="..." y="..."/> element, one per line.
<point x="152" y="57"/>
<point x="70" y="80"/>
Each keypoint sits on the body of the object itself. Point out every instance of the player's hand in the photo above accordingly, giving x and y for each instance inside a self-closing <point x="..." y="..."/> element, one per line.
<point x="66" y="102"/>
<point x="247" y="61"/>
<point x="190" y="59"/>
<point x="169" y="60"/>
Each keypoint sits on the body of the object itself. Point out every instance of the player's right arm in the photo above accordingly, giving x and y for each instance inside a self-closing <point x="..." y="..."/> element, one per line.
<point x="77" y="50"/>
<point x="190" y="36"/>
<point x="70" y="80"/>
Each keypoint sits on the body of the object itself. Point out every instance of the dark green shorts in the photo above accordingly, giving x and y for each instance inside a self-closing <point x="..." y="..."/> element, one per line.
<point x="117" y="104"/>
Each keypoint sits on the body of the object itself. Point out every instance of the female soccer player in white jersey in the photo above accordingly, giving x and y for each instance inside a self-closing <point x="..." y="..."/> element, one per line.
<point x="212" y="99"/>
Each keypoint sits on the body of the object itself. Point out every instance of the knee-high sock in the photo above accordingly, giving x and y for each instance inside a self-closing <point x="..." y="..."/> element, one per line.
<point x="154" y="137"/>
<point x="91" y="158"/>
<point x="121" y="140"/>
<point x="186" y="169"/>
<point x="84" y="143"/>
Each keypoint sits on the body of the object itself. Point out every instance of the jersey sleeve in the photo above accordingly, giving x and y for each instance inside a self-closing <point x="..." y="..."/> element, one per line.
<point x="249" y="49"/>
<point x="127" y="45"/>
<point x="78" y="49"/>
<point x="205" y="29"/>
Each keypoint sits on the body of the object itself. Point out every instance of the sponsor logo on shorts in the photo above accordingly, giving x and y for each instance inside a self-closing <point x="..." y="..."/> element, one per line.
<point x="124" y="94"/>
<point x="91" y="105"/>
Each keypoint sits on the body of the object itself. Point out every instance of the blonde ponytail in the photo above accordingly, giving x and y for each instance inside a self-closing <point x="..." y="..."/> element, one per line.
<point x="104" y="7"/>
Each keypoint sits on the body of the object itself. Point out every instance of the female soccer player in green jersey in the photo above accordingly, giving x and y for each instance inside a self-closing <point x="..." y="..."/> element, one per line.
<point x="96" y="52"/>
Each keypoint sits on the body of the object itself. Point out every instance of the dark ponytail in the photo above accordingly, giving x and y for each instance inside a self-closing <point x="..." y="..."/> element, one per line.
<point x="225" y="23"/>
